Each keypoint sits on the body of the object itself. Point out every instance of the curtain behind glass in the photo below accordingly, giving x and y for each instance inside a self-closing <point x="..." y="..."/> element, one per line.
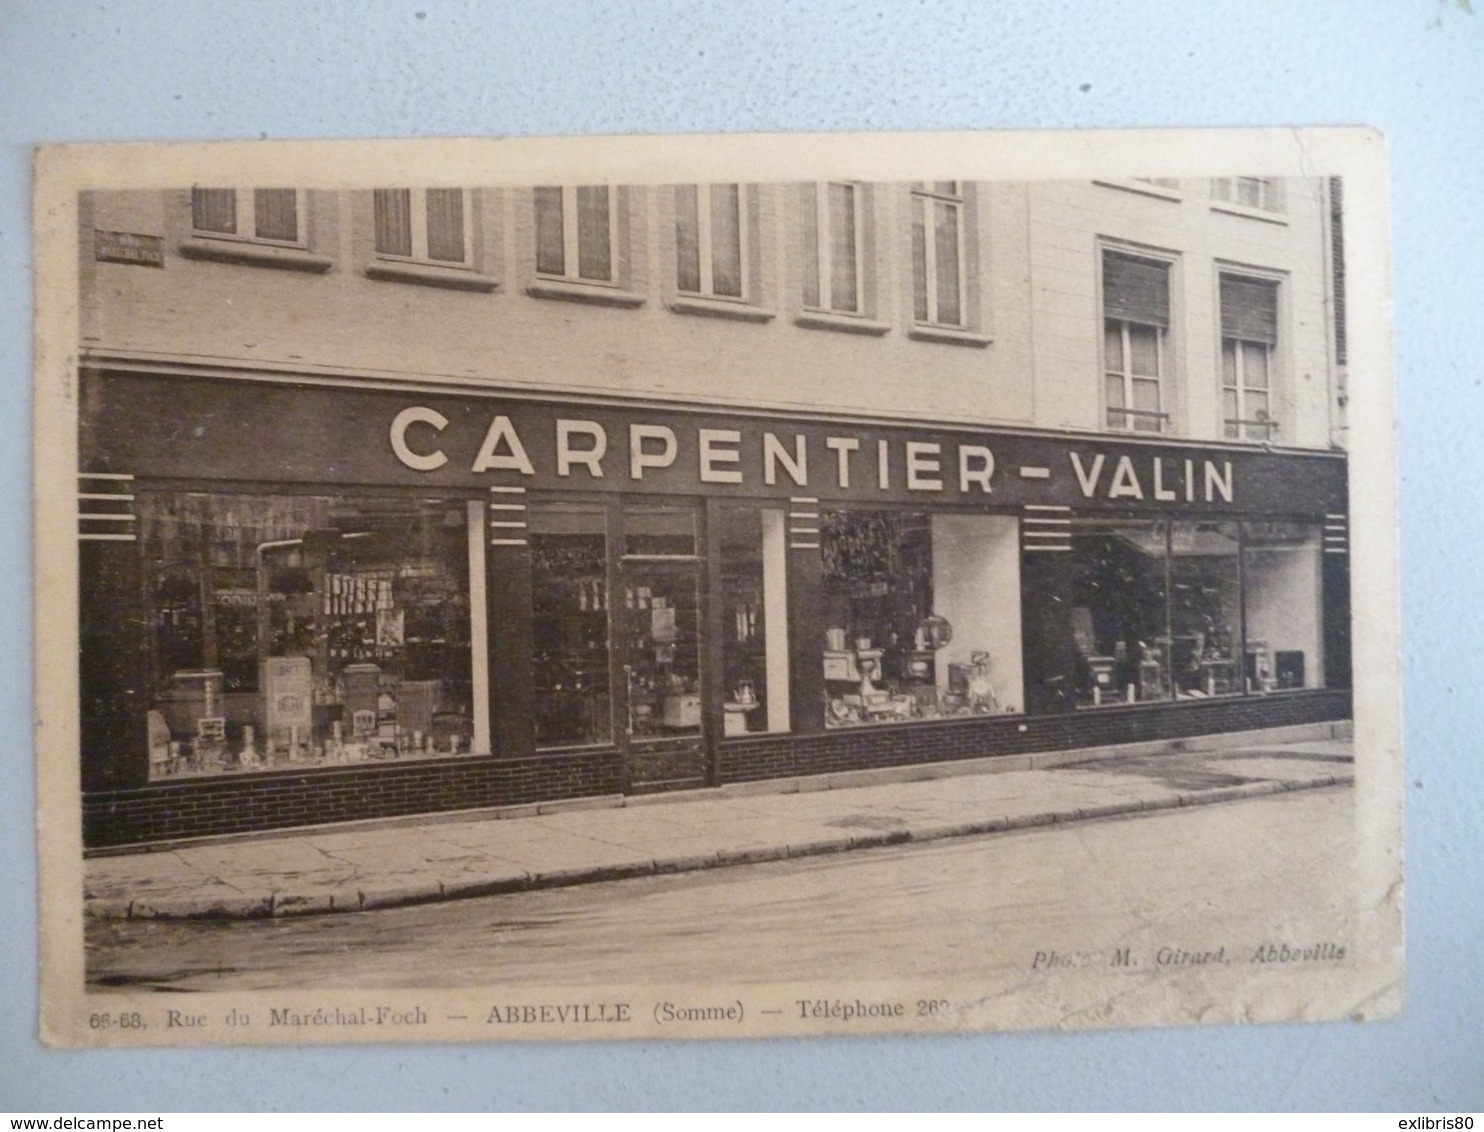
<point x="276" y="214"/>
<point x="726" y="241"/>
<point x="551" y="256"/>
<point x="394" y="222"/>
<point x="919" y="260"/>
<point x="214" y="210"/>
<point x="687" y="238"/>
<point x="594" y="239"/>
<point x="945" y="229"/>
<point x="809" y="212"/>
<point x="843" y="294"/>
<point x="446" y="225"/>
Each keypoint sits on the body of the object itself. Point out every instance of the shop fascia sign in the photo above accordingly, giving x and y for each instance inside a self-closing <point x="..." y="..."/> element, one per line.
<point x="573" y="451"/>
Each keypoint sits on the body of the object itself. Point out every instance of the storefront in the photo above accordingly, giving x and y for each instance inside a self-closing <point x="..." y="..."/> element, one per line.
<point x="308" y="602"/>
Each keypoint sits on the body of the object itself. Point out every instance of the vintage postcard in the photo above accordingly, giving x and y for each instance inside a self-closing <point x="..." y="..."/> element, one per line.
<point x="715" y="586"/>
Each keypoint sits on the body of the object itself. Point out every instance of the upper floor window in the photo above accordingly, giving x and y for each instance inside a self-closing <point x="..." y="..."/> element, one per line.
<point x="1264" y="194"/>
<point x="937" y="253"/>
<point x="1136" y="322"/>
<point x="1249" y="338"/>
<point x="710" y="241"/>
<point x="431" y="225"/>
<point x="269" y="215"/>
<point x="575" y="233"/>
<point x="832" y="246"/>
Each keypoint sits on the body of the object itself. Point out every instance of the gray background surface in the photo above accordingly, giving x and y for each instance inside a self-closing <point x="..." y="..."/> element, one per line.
<point x="74" y="71"/>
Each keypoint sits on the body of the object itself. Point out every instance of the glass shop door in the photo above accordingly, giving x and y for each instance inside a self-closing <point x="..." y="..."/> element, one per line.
<point x="662" y="717"/>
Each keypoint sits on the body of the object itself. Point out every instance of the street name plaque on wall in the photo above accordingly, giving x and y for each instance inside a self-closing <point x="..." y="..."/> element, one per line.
<point x="979" y="571"/>
<point x="129" y="247"/>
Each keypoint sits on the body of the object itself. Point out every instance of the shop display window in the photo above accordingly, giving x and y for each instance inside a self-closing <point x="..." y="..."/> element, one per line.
<point x="754" y="621"/>
<point x="1205" y="609"/>
<point x="922" y="616"/>
<point x="1117" y="649"/>
<point x="1191" y="610"/>
<point x="292" y="631"/>
<point x="569" y="584"/>
<point x="1282" y="571"/>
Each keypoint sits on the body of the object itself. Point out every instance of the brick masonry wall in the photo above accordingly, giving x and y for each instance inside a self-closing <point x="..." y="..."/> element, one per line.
<point x="865" y="748"/>
<point x="207" y="807"/>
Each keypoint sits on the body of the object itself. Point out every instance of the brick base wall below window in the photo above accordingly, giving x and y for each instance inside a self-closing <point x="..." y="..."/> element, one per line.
<point x="229" y="805"/>
<point x="209" y="807"/>
<point x="868" y="747"/>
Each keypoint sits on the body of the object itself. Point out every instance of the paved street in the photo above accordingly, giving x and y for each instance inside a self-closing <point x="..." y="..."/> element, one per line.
<point x="1235" y="875"/>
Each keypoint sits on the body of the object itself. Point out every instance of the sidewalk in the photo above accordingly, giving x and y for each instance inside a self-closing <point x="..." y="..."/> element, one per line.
<point x="382" y="865"/>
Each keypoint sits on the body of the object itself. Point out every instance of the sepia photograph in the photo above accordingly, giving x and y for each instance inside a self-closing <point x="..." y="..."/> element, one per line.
<point x="695" y="587"/>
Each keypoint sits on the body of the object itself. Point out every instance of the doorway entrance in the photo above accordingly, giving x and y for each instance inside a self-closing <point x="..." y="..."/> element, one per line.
<point x="660" y="629"/>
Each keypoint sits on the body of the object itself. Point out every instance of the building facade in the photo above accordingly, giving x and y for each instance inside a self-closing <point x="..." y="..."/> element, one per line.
<point x="416" y="500"/>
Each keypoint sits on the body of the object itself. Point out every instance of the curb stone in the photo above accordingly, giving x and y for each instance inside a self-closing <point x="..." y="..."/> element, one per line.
<point x="283" y="904"/>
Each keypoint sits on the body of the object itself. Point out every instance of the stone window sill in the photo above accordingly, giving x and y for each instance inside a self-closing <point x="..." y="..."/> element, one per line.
<point x="1142" y="188"/>
<point x="844" y="323"/>
<point x="597" y="294"/>
<point x="431" y="275"/>
<point x="256" y="255"/>
<point x="950" y="336"/>
<point x="1249" y="212"/>
<point x="721" y="308"/>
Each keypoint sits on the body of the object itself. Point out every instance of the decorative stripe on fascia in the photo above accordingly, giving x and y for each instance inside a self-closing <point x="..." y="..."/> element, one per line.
<point x="105" y="538"/>
<point x="507" y="524"/>
<point x="507" y="506"/>
<point x="1046" y="522"/>
<point x="1335" y="550"/>
<point x="803" y="546"/>
<point x="803" y="530"/>
<point x="115" y="518"/>
<point x="1055" y="532"/>
<point x="1045" y="547"/>
<point x="803" y="514"/>
<point x="803" y="499"/>
<point x="108" y="496"/>
<point x="500" y="489"/>
<point x="1344" y="517"/>
<point x="508" y="542"/>
<point x="121" y="476"/>
<point x="1046" y="507"/>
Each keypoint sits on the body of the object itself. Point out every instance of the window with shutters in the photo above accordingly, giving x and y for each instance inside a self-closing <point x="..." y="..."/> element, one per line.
<point x="1136" y="323"/>
<point x="1249" y="340"/>
<point x="268" y="216"/>
<point x="424" y="226"/>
